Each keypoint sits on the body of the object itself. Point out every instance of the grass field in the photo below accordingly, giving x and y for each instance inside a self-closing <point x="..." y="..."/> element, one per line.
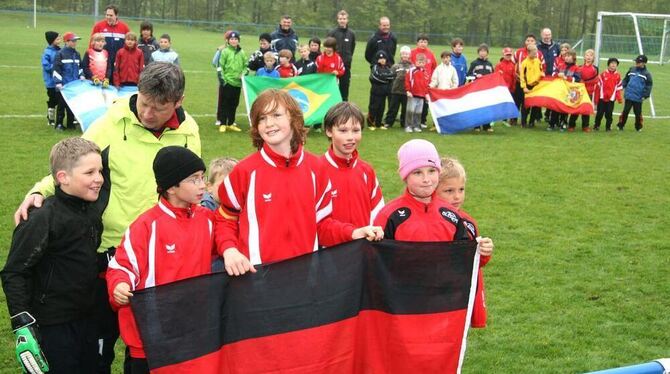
<point x="578" y="281"/>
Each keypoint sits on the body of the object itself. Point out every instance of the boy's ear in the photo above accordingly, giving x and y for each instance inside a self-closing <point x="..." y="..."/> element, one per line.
<point x="62" y="177"/>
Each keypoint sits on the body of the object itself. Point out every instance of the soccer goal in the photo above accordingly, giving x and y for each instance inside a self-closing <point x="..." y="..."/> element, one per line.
<point x="626" y="35"/>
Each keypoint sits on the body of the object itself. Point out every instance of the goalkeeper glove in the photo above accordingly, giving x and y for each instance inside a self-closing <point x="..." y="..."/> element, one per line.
<point x="105" y="83"/>
<point x="28" y="351"/>
<point x="96" y="81"/>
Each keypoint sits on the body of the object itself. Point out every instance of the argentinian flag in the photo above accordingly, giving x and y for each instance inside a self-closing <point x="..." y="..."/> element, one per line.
<point x="89" y="102"/>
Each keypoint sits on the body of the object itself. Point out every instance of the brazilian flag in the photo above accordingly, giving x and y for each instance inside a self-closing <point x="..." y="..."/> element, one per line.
<point x="315" y="93"/>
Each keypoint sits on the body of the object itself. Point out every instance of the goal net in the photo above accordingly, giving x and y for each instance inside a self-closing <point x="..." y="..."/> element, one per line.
<point x="626" y="35"/>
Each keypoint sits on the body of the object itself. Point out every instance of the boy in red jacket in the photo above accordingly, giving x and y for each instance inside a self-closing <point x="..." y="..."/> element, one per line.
<point x="451" y="188"/>
<point x="357" y="196"/>
<point x="416" y="85"/>
<point x="129" y="63"/>
<point x="329" y="61"/>
<point x="285" y="68"/>
<point x="607" y="90"/>
<point x="277" y="203"/>
<point x="173" y="240"/>
<point x="588" y="74"/>
<point x="506" y="68"/>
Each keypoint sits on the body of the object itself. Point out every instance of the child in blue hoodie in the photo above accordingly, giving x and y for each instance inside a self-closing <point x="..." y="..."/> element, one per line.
<point x="48" y="60"/>
<point x="637" y="87"/>
<point x="458" y="61"/>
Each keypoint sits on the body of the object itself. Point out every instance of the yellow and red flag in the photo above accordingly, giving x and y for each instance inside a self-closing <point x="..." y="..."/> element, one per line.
<point x="560" y="95"/>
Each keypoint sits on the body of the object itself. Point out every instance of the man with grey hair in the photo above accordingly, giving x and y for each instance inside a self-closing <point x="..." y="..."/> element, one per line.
<point x="382" y="40"/>
<point x="129" y="134"/>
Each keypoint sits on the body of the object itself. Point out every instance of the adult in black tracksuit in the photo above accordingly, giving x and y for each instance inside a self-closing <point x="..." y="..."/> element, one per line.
<point x="346" y="44"/>
<point x="51" y="273"/>
<point x="382" y="40"/>
<point x="284" y="37"/>
<point x="550" y="50"/>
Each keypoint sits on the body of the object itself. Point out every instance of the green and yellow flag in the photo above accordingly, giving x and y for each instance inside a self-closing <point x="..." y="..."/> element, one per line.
<point x="315" y="93"/>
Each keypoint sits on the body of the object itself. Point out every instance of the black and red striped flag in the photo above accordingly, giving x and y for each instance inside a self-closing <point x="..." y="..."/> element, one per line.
<point x="360" y="307"/>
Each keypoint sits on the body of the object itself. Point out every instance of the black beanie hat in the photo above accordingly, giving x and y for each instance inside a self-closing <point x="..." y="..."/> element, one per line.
<point x="174" y="164"/>
<point x="50" y="36"/>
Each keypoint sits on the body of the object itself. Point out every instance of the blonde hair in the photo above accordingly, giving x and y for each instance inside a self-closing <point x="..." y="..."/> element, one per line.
<point x="566" y="45"/>
<point x="97" y="37"/>
<point x="66" y="153"/>
<point x="451" y="168"/>
<point x="591" y="51"/>
<point x="131" y="36"/>
<point x="219" y="167"/>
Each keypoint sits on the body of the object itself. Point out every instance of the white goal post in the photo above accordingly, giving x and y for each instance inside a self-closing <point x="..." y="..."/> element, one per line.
<point x="630" y="35"/>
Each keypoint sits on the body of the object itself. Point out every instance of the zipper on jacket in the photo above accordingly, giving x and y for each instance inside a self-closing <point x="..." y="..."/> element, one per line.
<point x="46" y="285"/>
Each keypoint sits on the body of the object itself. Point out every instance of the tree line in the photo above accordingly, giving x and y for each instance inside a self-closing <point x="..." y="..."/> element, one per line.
<point x="493" y="21"/>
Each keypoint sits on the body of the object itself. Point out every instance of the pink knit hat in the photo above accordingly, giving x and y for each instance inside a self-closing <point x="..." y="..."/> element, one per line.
<point x="415" y="154"/>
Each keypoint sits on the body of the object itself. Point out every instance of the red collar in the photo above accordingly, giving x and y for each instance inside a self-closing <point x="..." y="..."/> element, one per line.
<point x="175" y="212"/>
<point x="340" y="162"/>
<point x="172" y="123"/>
<point x="277" y="160"/>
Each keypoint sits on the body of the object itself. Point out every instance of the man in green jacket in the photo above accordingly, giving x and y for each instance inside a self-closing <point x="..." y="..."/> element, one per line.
<point x="129" y="134"/>
<point x="231" y="68"/>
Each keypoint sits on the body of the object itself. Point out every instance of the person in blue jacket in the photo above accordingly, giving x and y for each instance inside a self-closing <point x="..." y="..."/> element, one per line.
<point x="637" y="87"/>
<point x="48" y="60"/>
<point x="458" y="60"/>
<point x="67" y="68"/>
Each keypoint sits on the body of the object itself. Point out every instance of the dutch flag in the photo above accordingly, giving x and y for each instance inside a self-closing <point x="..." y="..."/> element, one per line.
<point x="485" y="100"/>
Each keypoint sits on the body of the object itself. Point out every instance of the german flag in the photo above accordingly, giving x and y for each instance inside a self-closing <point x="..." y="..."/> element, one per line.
<point x="560" y="95"/>
<point x="361" y="307"/>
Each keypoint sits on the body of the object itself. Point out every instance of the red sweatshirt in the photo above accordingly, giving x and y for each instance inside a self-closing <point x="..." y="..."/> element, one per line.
<point x="506" y="68"/>
<point x="287" y="71"/>
<point x="589" y="75"/>
<point x="163" y="245"/>
<point x="559" y="65"/>
<point x="128" y="65"/>
<point x="431" y="62"/>
<point x="329" y="64"/>
<point x="608" y="87"/>
<point x="356" y="195"/>
<point x="274" y="208"/>
<point x="416" y="81"/>
<point x="97" y="63"/>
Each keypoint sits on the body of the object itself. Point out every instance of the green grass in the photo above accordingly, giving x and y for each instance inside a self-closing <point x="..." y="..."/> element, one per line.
<point x="578" y="281"/>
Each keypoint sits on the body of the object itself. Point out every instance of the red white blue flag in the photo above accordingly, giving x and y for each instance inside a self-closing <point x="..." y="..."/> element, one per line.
<point x="485" y="100"/>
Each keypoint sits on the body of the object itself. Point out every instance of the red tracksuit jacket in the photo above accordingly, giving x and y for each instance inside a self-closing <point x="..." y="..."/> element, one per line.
<point x="163" y="245"/>
<point x="128" y="65"/>
<point x="328" y="64"/>
<point x="356" y="194"/>
<point x="431" y="61"/>
<point x="274" y="208"/>
<point x="589" y="75"/>
<point x="416" y="81"/>
<point x="608" y="87"/>
<point x="506" y="68"/>
<point x="287" y="71"/>
<point x="97" y="63"/>
<point x="408" y="219"/>
<point x="559" y="65"/>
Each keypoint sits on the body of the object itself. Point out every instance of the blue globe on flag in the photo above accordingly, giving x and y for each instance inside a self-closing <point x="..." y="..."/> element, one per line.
<point x="301" y="98"/>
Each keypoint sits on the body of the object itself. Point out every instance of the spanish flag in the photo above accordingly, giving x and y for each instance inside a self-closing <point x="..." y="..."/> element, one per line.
<point x="560" y="95"/>
<point x="315" y="93"/>
<point x="360" y="307"/>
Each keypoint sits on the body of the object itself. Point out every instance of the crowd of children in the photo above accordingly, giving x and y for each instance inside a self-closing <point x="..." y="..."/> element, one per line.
<point x="122" y="67"/>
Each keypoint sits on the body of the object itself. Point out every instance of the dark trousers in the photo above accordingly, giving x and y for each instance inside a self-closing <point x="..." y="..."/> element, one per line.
<point x="637" y="109"/>
<point x="345" y="81"/>
<point x="108" y="329"/>
<point x="604" y="108"/>
<point x="135" y="365"/>
<point x="556" y="118"/>
<point x="572" y="122"/>
<point x="518" y="97"/>
<point x="229" y="99"/>
<point x="60" y="112"/>
<point x="52" y="97"/>
<point x="396" y="101"/>
<point x="71" y="348"/>
<point x="424" y="112"/>
<point x="376" y="109"/>
<point x="535" y="112"/>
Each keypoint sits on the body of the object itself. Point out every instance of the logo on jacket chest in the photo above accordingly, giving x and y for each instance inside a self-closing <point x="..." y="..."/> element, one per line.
<point x="333" y="194"/>
<point x="170" y="248"/>
<point x="267" y="197"/>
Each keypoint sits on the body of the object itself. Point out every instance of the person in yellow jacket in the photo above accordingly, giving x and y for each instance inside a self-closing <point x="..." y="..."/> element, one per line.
<point x="530" y="74"/>
<point x="129" y="134"/>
